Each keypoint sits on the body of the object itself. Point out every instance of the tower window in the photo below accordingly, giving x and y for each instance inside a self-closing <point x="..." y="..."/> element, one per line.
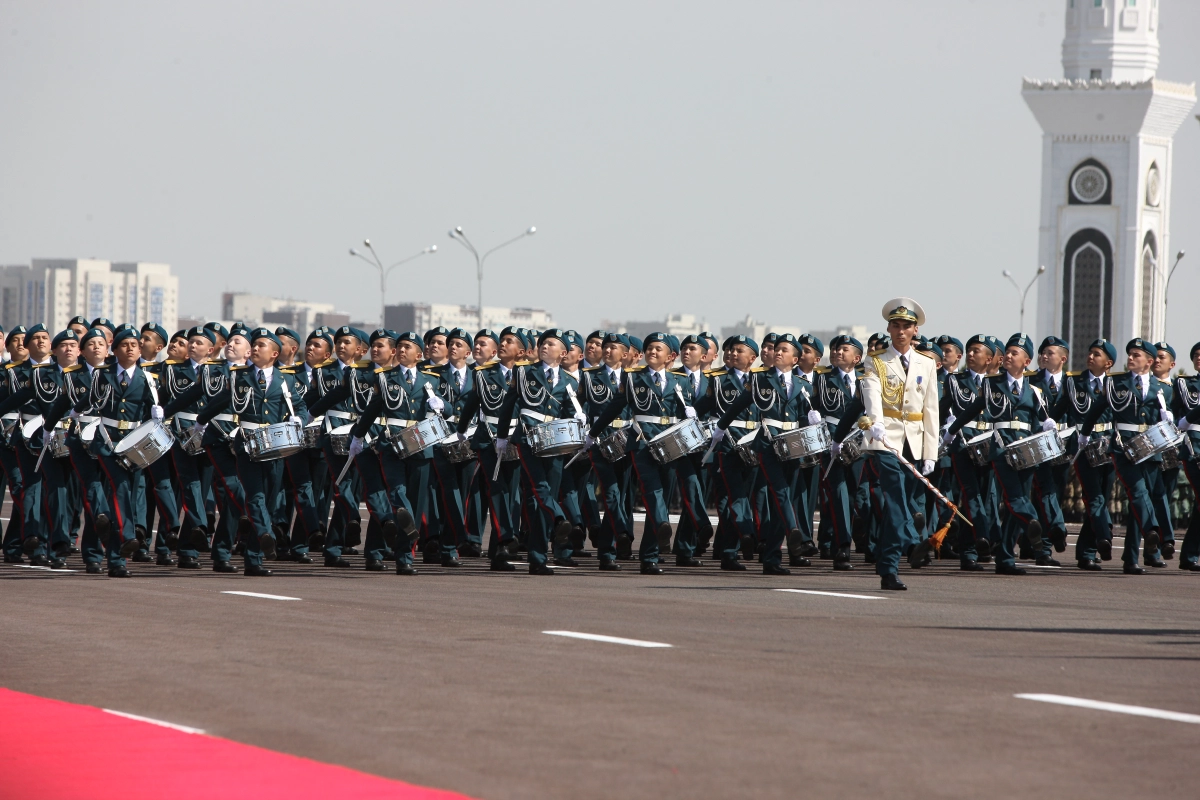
<point x="1096" y="75"/>
<point x="1090" y="184"/>
<point x="1087" y="291"/>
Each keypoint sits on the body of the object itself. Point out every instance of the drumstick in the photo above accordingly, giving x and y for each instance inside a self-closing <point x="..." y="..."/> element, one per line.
<point x="345" y="469"/>
<point x="575" y="457"/>
<point x="42" y="454"/>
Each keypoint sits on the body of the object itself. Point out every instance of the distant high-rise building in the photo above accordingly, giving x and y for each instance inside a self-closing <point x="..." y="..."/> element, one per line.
<point x="420" y="317"/>
<point x="299" y="315"/>
<point x="53" y="290"/>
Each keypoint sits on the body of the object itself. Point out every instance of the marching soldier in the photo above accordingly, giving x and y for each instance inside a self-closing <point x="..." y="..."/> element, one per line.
<point x="1164" y="362"/>
<point x="16" y="353"/>
<point x="658" y="400"/>
<point x="1050" y="480"/>
<point x="540" y="394"/>
<point x="901" y="418"/>
<point x="453" y="481"/>
<point x="1136" y="401"/>
<point x="1187" y="403"/>
<point x="783" y="399"/>
<point x="834" y="394"/>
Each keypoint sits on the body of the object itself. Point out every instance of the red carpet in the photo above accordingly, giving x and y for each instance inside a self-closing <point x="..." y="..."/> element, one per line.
<point x="50" y="750"/>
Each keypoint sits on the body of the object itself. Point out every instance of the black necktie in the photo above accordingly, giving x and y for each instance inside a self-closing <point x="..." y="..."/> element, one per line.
<point x="124" y="379"/>
<point x="262" y="380"/>
<point x="1137" y="381"/>
<point x="550" y="376"/>
<point x="461" y="380"/>
<point x="657" y="381"/>
<point x="904" y="361"/>
<point x="409" y="377"/>
<point x="1015" y="387"/>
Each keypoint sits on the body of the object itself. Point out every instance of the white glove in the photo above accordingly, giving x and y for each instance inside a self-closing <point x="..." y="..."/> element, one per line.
<point x="814" y="417"/>
<point x="501" y="446"/>
<point x="877" y="432"/>
<point x="689" y="412"/>
<point x="588" y="441"/>
<point x="1168" y="416"/>
<point x="582" y="417"/>
<point x="718" y="434"/>
<point x="947" y="437"/>
<point x="1083" y="440"/>
<point x="949" y="420"/>
<point x="462" y="437"/>
<point x="436" y="404"/>
<point x="1184" y="425"/>
<point x="356" y="447"/>
<point x="156" y="412"/>
<point x="203" y="427"/>
<point x="835" y="449"/>
<point x="1049" y="424"/>
<point x="926" y="467"/>
<point x="74" y="414"/>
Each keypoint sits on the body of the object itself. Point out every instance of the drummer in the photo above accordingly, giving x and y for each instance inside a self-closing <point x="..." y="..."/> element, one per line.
<point x="1164" y="362"/>
<point x="396" y="488"/>
<point x="659" y="399"/>
<point x="784" y="402"/>
<point x="124" y="398"/>
<point x="495" y="358"/>
<point x="452" y="481"/>
<point x="834" y="393"/>
<point x="1187" y="406"/>
<point x="1014" y="408"/>
<point x="16" y="353"/>
<point x="1135" y="399"/>
<point x="598" y="387"/>
<point x="260" y="394"/>
<point x="539" y="395"/>
<point x="976" y="483"/>
<point x="1094" y="543"/>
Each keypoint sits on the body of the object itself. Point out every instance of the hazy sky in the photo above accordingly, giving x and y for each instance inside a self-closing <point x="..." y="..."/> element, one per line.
<point x="799" y="161"/>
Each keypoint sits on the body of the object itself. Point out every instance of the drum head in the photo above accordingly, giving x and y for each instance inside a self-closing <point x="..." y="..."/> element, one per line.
<point x="342" y="429"/>
<point x="132" y="438"/>
<point x="29" y="429"/>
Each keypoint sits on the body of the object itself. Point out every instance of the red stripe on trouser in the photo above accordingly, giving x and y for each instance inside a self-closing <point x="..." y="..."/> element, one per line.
<point x="608" y="516"/>
<point x="242" y="511"/>
<point x="1007" y="502"/>
<point x="533" y="486"/>
<point x="762" y="467"/>
<point x="1132" y="506"/>
<point x="962" y="488"/>
<point x="116" y="506"/>
<point x="641" y="487"/>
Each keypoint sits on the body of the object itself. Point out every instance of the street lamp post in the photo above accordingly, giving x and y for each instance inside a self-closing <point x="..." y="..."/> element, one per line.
<point x="460" y="237"/>
<point x="1025" y="293"/>
<point x="1167" y="285"/>
<point x="385" y="271"/>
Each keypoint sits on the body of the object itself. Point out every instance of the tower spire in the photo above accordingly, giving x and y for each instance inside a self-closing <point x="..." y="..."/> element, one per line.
<point x="1111" y="40"/>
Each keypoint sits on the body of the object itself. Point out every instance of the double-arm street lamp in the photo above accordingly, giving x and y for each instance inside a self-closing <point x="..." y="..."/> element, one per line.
<point x="460" y="237"/>
<point x="1166" y="286"/>
<point x="385" y="271"/>
<point x="1024" y="294"/>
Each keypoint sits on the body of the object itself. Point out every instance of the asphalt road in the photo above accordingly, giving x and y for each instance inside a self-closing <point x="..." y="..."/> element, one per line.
<point x="447" y="679"/>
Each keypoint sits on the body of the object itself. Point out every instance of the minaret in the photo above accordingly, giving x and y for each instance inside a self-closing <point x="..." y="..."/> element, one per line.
<point x="1106" y="176"/>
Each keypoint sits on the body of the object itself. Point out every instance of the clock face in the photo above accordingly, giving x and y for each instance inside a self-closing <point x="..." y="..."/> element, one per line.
<point x="1089" y="184"/>
<point x="1153" y="186"/>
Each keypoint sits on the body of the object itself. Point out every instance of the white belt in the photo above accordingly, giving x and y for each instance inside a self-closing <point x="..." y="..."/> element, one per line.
<point x="119" y="424"/>
<point x="401" y="423"/>
<point x="833" y="420"/>
<point x="251" y="426"/>
<point x="28" y="417"/>
<point x="748" y="424"/>
<point x="189" y="416"/>
<point x="655" y="420"/>
<point x="11" y="415"/>
<point x="1066" y="429"/>
<point x="1129" y="428"/>
<point x="1102" y="427"/>
<point x="86" y="420"/>
<point x="452" y="419"/>
<point x="780" y="424"/>
<point x="618" y="423"/>
<point x="535" y="415"/>
<point x="1012" y="426"/>
<point x="491" y="420"/>
<point x="350" y="415"/>
<point x="225" y="418"/>
<point x="979" y="426"/>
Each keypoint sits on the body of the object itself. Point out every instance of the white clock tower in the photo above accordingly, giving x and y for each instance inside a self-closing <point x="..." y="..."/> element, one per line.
<point x="1106" y="176"/>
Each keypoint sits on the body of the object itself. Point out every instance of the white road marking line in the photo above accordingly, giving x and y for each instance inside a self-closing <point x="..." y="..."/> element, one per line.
<point x="1119" y="708"/>
<point x="265" y="596"/>
<point x="1039" y="566"/>
<point x="831" y="594"/>
<point x="595" y="637"/>
<point x="47" y="569"/>
<point x="171" y="725"/>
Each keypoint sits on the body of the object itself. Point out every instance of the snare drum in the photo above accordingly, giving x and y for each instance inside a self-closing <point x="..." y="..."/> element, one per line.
<point x="55" y="441"/>
<point x="1156" y="439"/>
<point x="744" y="447"/>
<point x="272" y="442"/>
<point x="806" y="444"/>
<point x="677" y="441"/>
<point x="853" y="446"/>
<point x="420" y="435"/>
<point x="312" y="433"/>
<point x="339" y="439"/>
<point x="556" y="438"/>
<point x="1097" y="450"/>
<point x="458" y="451"/>
<point x="980" y="448"/>
<point x="193" y="441"/>
<point x="615" y="446"/>
<point x="144" y="445"/>
<point x="1034" y="450"/>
